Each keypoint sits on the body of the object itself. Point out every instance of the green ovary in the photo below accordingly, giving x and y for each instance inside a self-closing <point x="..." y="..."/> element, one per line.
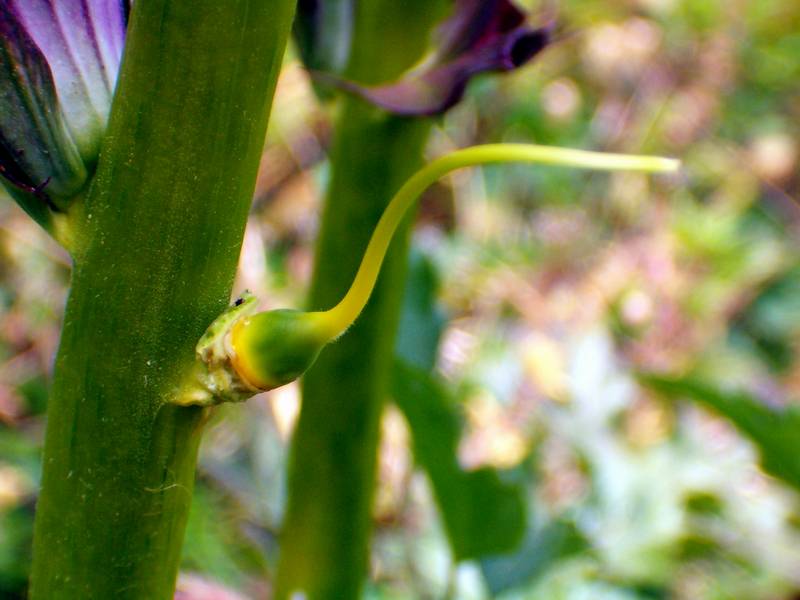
<point x="275" y="347"/>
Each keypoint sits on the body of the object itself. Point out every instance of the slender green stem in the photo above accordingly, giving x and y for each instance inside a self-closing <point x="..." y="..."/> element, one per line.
<point x="164" y="220"/>
<point x="336" y="320"/>
<point x="325" y="538"/>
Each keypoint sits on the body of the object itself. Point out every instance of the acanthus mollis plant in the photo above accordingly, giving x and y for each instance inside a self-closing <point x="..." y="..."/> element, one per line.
<point x="58" y="69"/>
<point x="144" y="169"/>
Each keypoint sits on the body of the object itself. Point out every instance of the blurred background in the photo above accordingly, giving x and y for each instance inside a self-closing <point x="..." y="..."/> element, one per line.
<point x="550" y="290"/>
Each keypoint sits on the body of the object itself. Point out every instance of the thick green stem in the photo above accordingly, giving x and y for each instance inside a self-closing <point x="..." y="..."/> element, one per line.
<point x="158" y="251"/>
<point x="325" y="540"/>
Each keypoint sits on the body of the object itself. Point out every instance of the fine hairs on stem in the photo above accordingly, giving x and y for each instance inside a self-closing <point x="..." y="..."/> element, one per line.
<point x="275" y="347"/>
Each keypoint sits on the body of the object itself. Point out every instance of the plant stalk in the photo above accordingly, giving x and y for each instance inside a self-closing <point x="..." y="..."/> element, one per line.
<point x="163" y="223"/>
<point x="325" y="538"/>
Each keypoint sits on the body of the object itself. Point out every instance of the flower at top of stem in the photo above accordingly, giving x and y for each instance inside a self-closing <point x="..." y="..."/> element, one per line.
<point x="480" y="36"/>
<point x="59" y="61"/>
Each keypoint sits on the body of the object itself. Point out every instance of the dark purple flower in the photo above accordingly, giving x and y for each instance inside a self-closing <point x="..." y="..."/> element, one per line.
<point x="481" y="36"/>
<point x="323" y="30"/>
<point x="58" y="67"/>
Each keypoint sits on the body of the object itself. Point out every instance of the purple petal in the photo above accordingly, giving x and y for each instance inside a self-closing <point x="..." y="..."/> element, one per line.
<point x="480" y="37"/>
<point x="36" y="151"/>
<point x="475" y="23"/>
<point x="82" y="41"/>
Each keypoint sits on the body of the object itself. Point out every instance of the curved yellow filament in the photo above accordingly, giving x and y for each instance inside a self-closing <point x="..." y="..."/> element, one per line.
<point x="335" y="321"/>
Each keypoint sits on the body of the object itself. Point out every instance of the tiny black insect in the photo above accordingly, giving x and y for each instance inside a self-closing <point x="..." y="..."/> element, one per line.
<point x="239" y="302"/>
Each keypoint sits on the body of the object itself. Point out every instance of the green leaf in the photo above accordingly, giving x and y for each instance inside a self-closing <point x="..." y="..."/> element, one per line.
<point x="774" y="430"/>
<point x="218" y="543"/>
<point x="542" y="548"/>
<point x="482" y="514"/>
<point x="16" y="533"/>
<point x="422" y="321"/>
<point x="772" y="321"/>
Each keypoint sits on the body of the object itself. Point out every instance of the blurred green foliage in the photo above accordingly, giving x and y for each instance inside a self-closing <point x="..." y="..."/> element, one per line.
<point x="774" y="430"/>
<point x="542" y="293"/>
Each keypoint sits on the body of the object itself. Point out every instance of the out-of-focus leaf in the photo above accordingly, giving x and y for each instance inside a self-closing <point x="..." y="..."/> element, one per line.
<point x="482" y="514"/>
<point x="421" y="320"/>
<point x="541" y="549"/>
<point x="213" y="544"/>
<point x="20" y="450"/>
<point x="775" y="431"/>
<point x="20" y="468"/>
<point x="772" y="321"/>
<point x="16" y="536"/>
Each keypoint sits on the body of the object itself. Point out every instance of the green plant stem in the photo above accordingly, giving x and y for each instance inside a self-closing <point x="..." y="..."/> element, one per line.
<point x="325" y="539"/>
<point x="158" y="249"/>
